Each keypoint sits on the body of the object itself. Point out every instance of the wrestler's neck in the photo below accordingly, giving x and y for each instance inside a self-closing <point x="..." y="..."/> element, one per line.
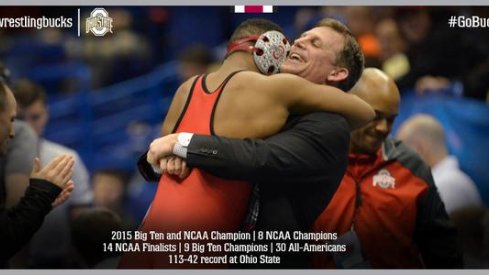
<point x="238" y="61"/>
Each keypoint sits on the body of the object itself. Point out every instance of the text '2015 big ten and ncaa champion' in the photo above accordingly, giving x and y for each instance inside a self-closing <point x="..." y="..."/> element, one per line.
<point x="236" y="246"/>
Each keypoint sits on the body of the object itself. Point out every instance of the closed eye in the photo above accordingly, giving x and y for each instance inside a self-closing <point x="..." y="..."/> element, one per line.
<point x="316" y="43"/>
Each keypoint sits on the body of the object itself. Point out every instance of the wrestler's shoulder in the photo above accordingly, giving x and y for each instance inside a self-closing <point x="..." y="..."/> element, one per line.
<point x="189" y="82"/>
<point x="184" y="88"/>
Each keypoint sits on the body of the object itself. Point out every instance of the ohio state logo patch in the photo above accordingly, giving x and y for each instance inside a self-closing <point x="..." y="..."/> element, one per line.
<point x="384" y="180"/>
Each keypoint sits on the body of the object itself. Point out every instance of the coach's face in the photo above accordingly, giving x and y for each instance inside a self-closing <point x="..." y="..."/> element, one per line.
<point x="313" y="56"/>
<point x="7" y="117"/>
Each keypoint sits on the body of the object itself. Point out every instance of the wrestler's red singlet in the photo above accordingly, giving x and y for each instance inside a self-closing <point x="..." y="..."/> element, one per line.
<point x="201" y="202"/>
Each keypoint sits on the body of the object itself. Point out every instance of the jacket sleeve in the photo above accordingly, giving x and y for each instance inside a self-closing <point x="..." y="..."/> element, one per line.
<point x="307" y="149"/>
<point x="435" y="235"/>
<point x="146" y="170"/>
<point x="18" y="224"/>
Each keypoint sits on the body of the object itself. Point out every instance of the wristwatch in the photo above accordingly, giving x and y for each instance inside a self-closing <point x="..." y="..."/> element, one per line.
<point x="180" y="148"/>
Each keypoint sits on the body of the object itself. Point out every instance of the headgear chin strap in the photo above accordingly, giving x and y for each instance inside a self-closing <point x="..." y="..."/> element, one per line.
<point x="269" y="51"/>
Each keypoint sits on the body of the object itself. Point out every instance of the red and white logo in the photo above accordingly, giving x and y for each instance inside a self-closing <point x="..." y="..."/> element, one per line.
<point x="99" y="22"/>
<point x="384" y="180"/>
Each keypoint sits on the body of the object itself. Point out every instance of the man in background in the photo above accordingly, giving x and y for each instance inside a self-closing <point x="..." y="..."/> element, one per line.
<point x="48" y="187"/>
<point x="387" y="209"/>
<point x="47" y="251"/>
<point x="16" y="163"/>
<point x="425" y="135"/>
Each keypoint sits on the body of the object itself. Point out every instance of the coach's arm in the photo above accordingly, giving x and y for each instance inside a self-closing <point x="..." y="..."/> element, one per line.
<point x="310" y="146"/>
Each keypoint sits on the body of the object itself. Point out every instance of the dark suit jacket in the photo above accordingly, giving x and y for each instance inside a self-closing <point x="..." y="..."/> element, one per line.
<point x="298" y="169"/>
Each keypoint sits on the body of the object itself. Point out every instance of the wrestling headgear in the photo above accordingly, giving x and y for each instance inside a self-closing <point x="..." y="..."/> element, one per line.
<point x="270" y="50"/>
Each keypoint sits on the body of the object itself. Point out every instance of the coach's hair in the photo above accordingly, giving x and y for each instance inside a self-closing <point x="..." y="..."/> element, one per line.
<point x="351" y="56"/>
<point x="27" y="92"/>
<point x="255" y="26"/>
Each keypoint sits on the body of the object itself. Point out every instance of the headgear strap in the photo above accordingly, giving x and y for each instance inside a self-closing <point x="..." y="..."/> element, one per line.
<point x="241" y="45"/>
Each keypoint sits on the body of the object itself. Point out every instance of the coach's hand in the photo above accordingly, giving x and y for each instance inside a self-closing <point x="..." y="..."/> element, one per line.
<point x="161" y="148"/>
<point x="176" y="166"/>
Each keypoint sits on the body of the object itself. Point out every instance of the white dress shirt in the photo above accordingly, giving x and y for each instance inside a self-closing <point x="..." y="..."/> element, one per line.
<point x="456" y="189"/>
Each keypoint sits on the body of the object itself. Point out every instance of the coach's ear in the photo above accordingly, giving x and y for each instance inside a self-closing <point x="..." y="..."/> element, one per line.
<point x="337" y="75"/>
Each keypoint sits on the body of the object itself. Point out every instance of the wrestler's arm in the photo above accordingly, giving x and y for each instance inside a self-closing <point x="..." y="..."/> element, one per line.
<point x="302" y="96"/>
<point x="314" y="144"/>
<point x="176" y="107"/>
